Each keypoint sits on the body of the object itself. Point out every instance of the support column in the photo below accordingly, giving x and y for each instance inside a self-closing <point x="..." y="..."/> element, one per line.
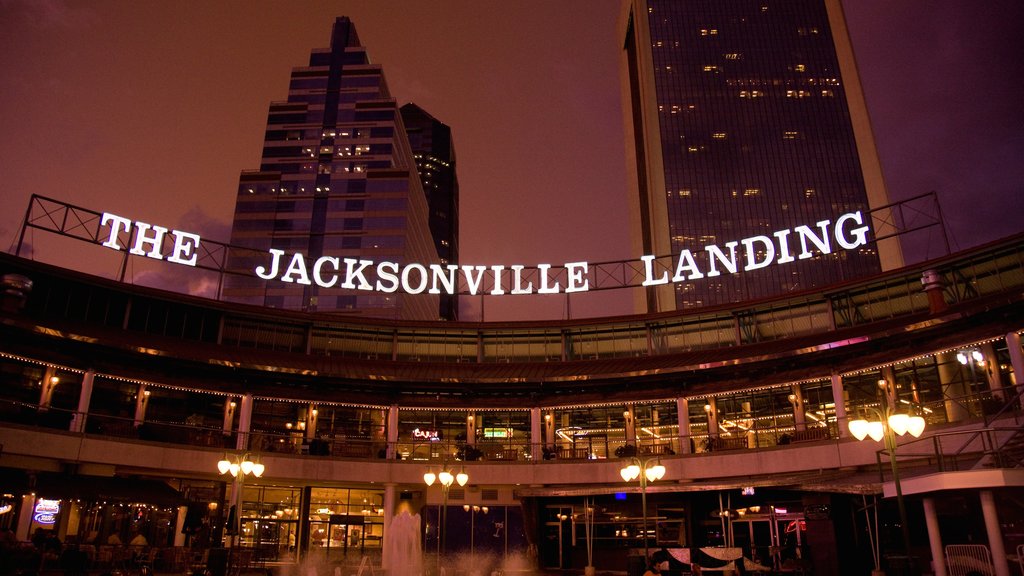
<point x="179" y="523"/>
<point x="952" y="387"/>
<point x="47" y="385"/>
<point x="535" y="434"/>
<point x="311" y="419"/>
<point x="839" y="399"/>
<point x="931" y="520"/>
<point x="549" y="430"/>
<point x="683" y="414"/>
<point x="1017" y="361"/>
<point x="796" y="398"/>
<point x="630" y="429"/>
<point x="84" y="398"/>
<point x="991" y="369"/>
<point x="711" y="407"/>
<point x="392" y="432"/>
<point x="471" y="429"/>
<point x="28" y="505"/>
<point x="244" y="423"/>
<point x="141" y="402"/>
<point x="995" y="533"/>
<point x="389" y="513"/>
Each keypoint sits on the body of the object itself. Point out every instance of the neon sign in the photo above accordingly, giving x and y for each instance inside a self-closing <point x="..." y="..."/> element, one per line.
<point x="46" y="511"/>
<point x="431" y="435"/>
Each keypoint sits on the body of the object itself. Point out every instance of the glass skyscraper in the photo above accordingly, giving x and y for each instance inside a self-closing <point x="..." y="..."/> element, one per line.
<point x="746" y="117"/>
<point x="434" y="152"/>
<point x="338" y="179"/>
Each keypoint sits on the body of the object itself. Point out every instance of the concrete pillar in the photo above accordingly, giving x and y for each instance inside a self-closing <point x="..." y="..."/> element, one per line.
<point x="549" y="429"/>
<point x="389" y="513"/>
<point x="179" y="523"/>
<point x="931" y="520"/>
<point x="629" y="416"/>
<point x="995" y="533"/>
<point x="1016" y="361"/>
<point x="796" y="398"/>
<point x="141" y="402"/>
<point x="28" y="506"/>
<point x="311" y="420"/>
<point x="229" y="415"/>
<point x="991" y="369"/>
<point x="471" y="429"/>
<point x="952" y="387"/>
<point x="47" y="386"/>
<point x="535" y="434"/>
<point x="84" y="398"/>
<point x="683" y="412"/>
<point x="392" y="432"/>
<point x="839" y="398"/>
<point x="711" y="407"/>
<point x="244" y="423"/>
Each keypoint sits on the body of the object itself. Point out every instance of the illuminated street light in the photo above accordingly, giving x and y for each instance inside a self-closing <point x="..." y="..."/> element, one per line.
<point x="652" y="471"/>
<point x="889" y="425"/>
<point x="445" y="478"/>
<point x="240" y="467"/>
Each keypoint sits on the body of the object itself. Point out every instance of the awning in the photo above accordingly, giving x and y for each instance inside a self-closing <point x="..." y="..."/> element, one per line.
<point x="106" y="489"/>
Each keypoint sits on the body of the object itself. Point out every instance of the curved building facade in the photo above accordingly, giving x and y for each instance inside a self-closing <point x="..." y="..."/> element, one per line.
<point x="118" y="402"/>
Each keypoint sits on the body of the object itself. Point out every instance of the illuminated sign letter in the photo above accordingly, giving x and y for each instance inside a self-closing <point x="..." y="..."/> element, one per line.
<point x="185" y="245"/>
<point x="275" y="265"/>
<point x="155" y="242"/>
<point x="517" y="274"/>
<point x="318" y="276"/>
<point x="575" y="272"/>
<point x="407" y="286"/>
<point x="473" y="283"/>
<point x="861" y="234"/>
<point x="447" y="280"/>
<point x="715" y="254"/>
<point x="649" y="272"/>
<point x="544" y="289"/>
<point x="296" y="267"/>
<point x="748" y="247"/>
<point x="117" y="223"/>
<point x="352" y="272"/>
<point x="387" y="271"/>
<point x="821" y="242"/>
<point x="687" y="263"/>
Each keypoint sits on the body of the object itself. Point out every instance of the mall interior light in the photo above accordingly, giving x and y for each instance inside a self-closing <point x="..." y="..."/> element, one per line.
<point x="429" y="478"/>
<point x="446" y="478"/>
<point x="876" y="430"/>
<point x="915" y="425"/>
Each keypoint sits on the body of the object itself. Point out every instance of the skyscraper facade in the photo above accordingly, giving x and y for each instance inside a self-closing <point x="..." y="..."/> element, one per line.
<point x="744" y="118"/>
<point x="337" y="179"/>
<point x="434" y="152"/>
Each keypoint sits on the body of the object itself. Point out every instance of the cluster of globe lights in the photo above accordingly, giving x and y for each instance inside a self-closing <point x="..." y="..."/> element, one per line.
<point x="446" y="478"/>
<point x="898" y="422"/>
<point x="632" y="472"/>
<point x="246" y="467"/>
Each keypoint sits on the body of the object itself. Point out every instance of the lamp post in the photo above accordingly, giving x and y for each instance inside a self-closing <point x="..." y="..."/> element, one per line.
<point x="652" y="470"/>
<point x="240" y="467"/>
<point x="446" y="479"/>
<point x="890" y="424"/>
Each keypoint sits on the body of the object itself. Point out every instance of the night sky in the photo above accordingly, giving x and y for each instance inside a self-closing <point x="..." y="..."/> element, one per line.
<point x="150" y="110"/>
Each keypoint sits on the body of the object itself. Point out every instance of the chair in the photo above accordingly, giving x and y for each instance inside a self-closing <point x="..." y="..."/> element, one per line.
<point x="964" y="559"/>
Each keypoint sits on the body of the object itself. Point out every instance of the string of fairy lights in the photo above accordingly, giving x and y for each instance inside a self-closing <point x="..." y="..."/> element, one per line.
<point x="651" y="430"/>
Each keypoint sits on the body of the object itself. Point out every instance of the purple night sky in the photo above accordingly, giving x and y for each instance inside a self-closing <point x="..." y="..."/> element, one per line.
<point x="151" y="109"/>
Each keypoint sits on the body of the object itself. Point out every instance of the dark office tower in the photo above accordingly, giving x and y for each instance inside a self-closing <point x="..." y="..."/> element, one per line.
<point x="743" y="118"/>
<point x="432" y="147"/>
<point x="337" y="180"/>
